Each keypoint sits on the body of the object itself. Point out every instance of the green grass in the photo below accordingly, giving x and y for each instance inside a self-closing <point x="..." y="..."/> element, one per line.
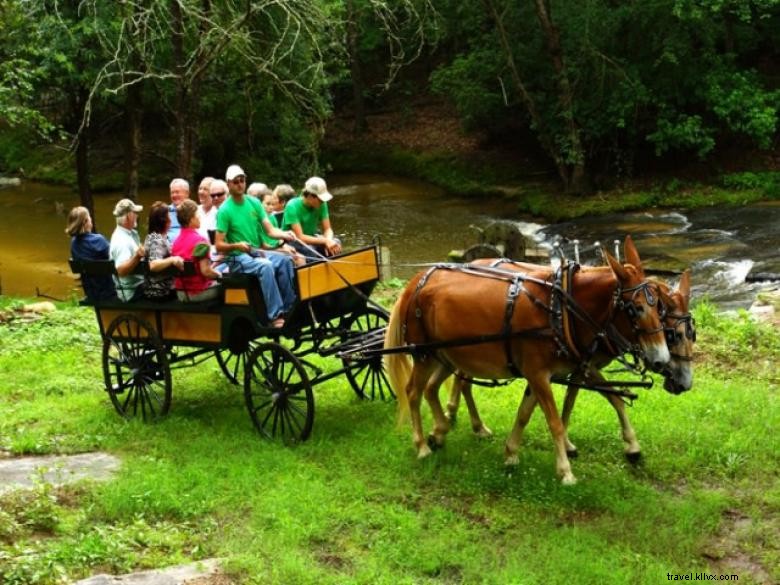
<point x="353" y="505"/>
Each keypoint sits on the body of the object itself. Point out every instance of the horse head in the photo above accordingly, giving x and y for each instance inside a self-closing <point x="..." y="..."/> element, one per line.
<point x="680" y="333"/>
<point x="637" y="300"/>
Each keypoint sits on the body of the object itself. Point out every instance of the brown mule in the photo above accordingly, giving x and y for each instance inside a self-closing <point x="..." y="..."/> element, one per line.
<point x="495" y="324"/>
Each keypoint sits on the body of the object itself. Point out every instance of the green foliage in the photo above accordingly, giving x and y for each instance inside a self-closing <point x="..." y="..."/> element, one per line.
<point x="352" y="505"/>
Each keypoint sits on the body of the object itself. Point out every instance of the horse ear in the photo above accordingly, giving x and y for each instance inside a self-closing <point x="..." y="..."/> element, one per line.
<point x="666" y="298"/>
<point x="616" y="266"/>
<point x="631" y="254"/>
<point x="685" y="285"/>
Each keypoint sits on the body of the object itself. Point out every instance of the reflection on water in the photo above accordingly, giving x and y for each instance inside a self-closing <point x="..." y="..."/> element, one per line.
<point x="421" y="224"/>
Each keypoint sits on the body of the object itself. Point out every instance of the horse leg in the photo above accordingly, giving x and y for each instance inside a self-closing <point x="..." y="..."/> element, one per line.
<point x="462" y="387"/>
<point x="477" y="425"/>
<point x="568" y="406"/>
<point x="414" y="393"/>
<point x="453" y="403"/>
<point x="540" y="386"/>
<point x="632" y="449"/>
<point x="441" y="425"/>
<point x="524" y="412"/>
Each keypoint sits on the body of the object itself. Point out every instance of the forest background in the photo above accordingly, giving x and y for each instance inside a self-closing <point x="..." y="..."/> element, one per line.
<point x="475" y="95"/>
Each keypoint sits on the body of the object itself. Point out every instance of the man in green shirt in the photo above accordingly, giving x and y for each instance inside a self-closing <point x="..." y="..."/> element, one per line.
<point x="239" y="223"/>
<point x="307" y="217"/>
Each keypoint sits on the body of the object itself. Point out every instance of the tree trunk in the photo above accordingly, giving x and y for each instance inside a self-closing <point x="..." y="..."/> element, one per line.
<point x="182" y="114"/>
<point x="536" y="120"/>
<point x="82" y="153"/>
<point x="133" y="115"/>
<point x="575" y="155"/>
<point x="358" y="84"/>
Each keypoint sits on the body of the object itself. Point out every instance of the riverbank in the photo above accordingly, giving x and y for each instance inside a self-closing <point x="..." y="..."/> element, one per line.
<point x="428" y="144"/>
<point x="352" y="505"/>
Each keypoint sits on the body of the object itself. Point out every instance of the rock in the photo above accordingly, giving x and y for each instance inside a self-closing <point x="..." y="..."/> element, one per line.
<point x="179" y="575"/>
<point x="22" y="472"/>
<point x="40" y="308"/>
<point x="10" y="181"/>
<point x="766" y="307"/>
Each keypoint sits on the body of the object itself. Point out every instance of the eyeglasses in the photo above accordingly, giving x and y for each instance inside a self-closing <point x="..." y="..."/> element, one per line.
<point x="221" y="194"/>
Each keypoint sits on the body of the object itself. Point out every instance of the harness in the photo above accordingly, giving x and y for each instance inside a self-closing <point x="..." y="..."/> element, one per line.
<point x="564" y="316"/>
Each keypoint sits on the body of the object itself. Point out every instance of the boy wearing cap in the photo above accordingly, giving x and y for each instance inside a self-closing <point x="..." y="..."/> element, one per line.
<point x="126" y="250"/>
<point x="307" y="217"/>
<point x="239" y="222"/>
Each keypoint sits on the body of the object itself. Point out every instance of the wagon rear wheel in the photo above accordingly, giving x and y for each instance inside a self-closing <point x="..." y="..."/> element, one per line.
<point x="278" y="393"/>
<point x="135" y="369"/>
<point x="367" y="376"/>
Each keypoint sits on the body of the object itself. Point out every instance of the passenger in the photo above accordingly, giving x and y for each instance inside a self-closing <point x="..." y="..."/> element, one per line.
<point x="219" y="191"/>
<point x="258" y="190"/>
<point x="193" y="247"/>
<point x="158" y="254"/>
<point x="307" y="216"/>
<point x="207" y="211"/>
<point x="86" y="245"/>
<point x="283" y="195"/>
<point x="270" y="203"/>
<point x="239" y="222"/>
<point x="126" y="250"/>
<point x="180" y="190"/>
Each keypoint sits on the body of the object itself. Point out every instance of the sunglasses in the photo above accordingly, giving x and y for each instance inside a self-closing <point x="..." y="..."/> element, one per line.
<point x="221" y="194"/>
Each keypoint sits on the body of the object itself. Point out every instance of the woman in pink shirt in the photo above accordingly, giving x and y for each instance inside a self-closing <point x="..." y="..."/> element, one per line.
<point x="193" y="247"/>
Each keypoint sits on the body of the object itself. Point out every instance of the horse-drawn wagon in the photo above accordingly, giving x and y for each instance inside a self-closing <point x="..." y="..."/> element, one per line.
<point x="144" y="340"/>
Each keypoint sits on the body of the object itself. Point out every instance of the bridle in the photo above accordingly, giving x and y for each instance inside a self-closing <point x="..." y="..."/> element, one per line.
<point x="672" y="323"/>
<point x="634" y="310"/>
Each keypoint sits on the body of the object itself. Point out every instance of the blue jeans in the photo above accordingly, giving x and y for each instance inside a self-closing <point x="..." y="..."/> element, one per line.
<point x="275" y="273"/>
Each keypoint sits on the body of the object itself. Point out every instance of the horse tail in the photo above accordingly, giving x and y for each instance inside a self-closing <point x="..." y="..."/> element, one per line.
<point x="398" y="365"/>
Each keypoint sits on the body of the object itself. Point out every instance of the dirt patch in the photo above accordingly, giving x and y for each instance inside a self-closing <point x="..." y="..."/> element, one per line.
<point x="731" y="553"/>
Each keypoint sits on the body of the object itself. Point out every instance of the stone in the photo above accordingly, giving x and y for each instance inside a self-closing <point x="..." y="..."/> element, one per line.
<point x="179" y="575"/>
<point x="22" y="472"/>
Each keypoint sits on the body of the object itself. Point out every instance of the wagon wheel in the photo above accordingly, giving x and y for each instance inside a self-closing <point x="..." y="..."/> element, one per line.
<point x="233" y="364"/>
<point x="135" y="369"/>
<point x="367" y="376"/>
<point x="278" y="393"/>
<point x="232" y="359"/>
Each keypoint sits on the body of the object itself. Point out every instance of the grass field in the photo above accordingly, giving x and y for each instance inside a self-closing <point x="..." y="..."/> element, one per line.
<point x="353" y="505"/>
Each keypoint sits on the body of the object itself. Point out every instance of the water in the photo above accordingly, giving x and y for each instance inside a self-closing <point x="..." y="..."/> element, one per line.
<point x="420" y="224"/>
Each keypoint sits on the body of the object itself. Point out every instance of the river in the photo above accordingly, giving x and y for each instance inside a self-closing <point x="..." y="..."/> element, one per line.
<point x="419" y="224"/>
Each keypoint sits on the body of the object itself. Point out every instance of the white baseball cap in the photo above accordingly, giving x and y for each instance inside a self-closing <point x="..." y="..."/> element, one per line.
<point x="316" y="186"/>
<point x="234" y="171"/>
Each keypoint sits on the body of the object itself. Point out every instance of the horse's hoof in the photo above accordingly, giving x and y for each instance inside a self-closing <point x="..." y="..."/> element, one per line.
<point x="511" y="460"/>
<point x="423" y="452"/>
<point x="572" y="453"/>
<point x="568" y="479"/>
<point x="634" y="457"/>
<point x="452" y="417"/>
<point x="483" y="432"/>
<point x="434" y="444"/>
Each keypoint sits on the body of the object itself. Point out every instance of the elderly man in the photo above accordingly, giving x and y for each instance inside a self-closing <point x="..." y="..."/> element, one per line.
<point x="239" y="222"/>
<point x="307" y="216"/>
<point x="180" y="190"/>
<point x="126" y="250"/>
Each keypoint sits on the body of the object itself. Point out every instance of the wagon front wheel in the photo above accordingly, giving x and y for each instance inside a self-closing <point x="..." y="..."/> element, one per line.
<point x="367" y="375"/>
<point x="135" y="369"/>
<point x="278" y="394"/>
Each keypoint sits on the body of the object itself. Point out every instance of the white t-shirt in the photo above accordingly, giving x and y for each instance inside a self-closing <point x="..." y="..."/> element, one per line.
<point x="208" y="220"/>
<point x="124" y="243"/>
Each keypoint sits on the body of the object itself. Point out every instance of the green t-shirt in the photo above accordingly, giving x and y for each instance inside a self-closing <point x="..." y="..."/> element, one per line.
<point x="268" y="240"/>
<point x="241" y="222"/>
<point x="309" y="218"/>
